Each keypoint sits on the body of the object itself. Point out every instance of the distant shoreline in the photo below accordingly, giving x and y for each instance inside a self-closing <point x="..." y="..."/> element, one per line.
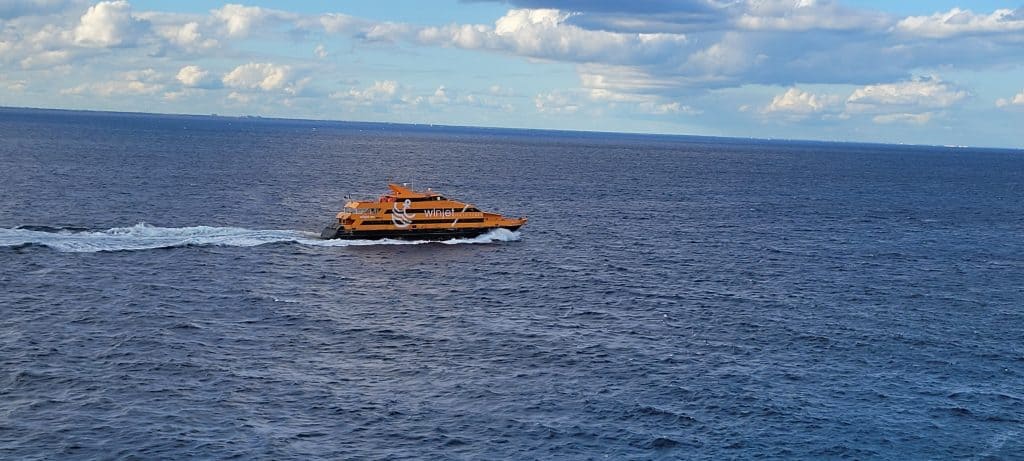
<point x="495" y="129"/>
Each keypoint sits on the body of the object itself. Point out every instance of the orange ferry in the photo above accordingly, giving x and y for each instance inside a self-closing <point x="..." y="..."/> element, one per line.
<point x="406" y="214"/>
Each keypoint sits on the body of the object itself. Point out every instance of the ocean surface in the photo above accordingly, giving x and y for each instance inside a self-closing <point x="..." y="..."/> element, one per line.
<point x="163" y="295"/>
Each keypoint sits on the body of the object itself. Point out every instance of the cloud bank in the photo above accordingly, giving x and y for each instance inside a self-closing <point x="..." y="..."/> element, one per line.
<point x="822" y="60"/>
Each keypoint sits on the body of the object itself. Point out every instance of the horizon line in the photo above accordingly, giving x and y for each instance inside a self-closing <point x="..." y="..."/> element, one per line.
<point x="484" y="127"/>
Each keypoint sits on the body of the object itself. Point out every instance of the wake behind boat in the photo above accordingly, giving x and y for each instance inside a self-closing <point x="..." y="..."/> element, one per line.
<point x="410" y="215"/>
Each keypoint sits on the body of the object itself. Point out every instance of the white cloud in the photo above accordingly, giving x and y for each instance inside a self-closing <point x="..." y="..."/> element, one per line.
<point x="239" y="98"/>
<point x="667" y="108"/>
<point x="297" y="87"/>
<point x="799" y="103"/>
<point x="389" y="95"/>
<point x="957" y="21"/>
<point x="264" y="76"/>
<point x="629" y="88"/>
<point x="148" y="75"/>
<point x="187" y="36"/>
<point x="544" y="33"/>
<point x="732" y="55"/>
<point x="178" y="95"/>
<point x="385" y="89"/>
<point x="913" y="119"/>
<point x="140" y="82"/>
<point x="913" y="102"/>
<point x="195" y="77"/>
<point x="380" y="91"/>
<point x="923" y="93"/>
<point x="1015" y="100"/>
<point x="556" y="102"/>
<point x="600" y="94"/>
<point x="239" y="20"/>
<point x="498" y="90"/>
<point x="630" y="58"/>
<point x="485" y="102"/>
<point x="620" y="79"/>
<point x="440" y="96"/>
<point x="14" y="86"/>
<point x="107" y="24"/>
<point x="804" y="15"/>
<point x="337" y="23"/>
<point x="386" y="32"/>
<point x="45" y="59"/>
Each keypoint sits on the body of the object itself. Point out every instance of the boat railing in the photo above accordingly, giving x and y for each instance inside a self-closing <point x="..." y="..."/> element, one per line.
<point x="363" y="197"/>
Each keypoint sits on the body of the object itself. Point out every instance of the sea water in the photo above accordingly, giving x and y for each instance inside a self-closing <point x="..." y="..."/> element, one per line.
<point x="163" y="294"/>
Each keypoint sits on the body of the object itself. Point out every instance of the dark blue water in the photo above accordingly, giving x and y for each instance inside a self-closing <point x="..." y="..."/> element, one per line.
<point x="162" y="296"/>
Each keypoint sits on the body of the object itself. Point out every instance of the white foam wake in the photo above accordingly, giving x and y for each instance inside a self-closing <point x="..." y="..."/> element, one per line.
<point x="145" y="237"/>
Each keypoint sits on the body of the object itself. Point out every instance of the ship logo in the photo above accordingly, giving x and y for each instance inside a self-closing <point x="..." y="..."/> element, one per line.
<point x="401" y="217"/>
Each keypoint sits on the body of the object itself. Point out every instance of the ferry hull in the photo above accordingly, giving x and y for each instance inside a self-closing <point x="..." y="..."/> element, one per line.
<point x="336" y="232"/>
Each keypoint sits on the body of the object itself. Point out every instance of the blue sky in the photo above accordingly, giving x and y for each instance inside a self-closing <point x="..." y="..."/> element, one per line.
<point x="936" y="72"/>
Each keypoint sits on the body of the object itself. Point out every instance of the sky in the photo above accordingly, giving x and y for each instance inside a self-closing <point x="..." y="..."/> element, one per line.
<point x="932" y="72"/>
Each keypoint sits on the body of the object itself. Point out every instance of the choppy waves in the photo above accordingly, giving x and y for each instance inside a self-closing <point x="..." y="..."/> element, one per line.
<point x="147" y="237"/>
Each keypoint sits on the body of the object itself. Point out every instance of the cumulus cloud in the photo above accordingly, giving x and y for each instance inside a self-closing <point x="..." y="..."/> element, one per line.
<point x="264" y="76"/>
<point x="239" y="98"/>
<point x="487" y="101"/>
<point x="195" y="77"/>
<point x="440" y="96"/>
<point x="629" y="86"/>
<point x="187" y="36"/>
<point x="498" y="90"/>
<point x="386" y="32"/>
<point x="638" y="102"/>
<point x="239" y="20"/>
<point x="667" y="108"/>
<point x="723" y="60"/>
<point x="799" y="103"/>
<point x="108" y="24"/>
<point x="556" y="102"/>
<point x="666" y="16"/>
<point x="45" y="59"/>
<point x="13" y="86"/>
<point x="337" y="23"/>
<point x="725" y="44"/>
<point x="649" y="57"/>
<point x="959" y="22"/>
<point x="804" y="15"/>
<point x="140" y="82"/>
<point x="544" y="33"/>
<point x="382" y="91"/>
<point x="389" y="95"/>
<point x="915" y="101"/>
<point x="1015" y="100"/>
<point x="604" y="81"/>
<point x="385" y="89"/>
<point x="922" y="93"/>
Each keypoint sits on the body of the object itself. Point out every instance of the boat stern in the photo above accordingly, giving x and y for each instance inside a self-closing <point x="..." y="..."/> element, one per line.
<point x="331" y="231"/>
